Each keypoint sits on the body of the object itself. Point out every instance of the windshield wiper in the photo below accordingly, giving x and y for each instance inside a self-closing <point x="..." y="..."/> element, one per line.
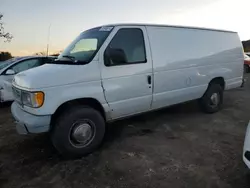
<point x="72" y="58"/>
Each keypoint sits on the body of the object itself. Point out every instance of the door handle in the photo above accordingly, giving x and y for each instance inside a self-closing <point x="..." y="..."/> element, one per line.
<point x="149" y="79"/>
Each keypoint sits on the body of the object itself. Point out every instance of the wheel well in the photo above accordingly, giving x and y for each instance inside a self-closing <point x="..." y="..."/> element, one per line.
<point x="218" y="80"/>
<point x="85" y="101"/>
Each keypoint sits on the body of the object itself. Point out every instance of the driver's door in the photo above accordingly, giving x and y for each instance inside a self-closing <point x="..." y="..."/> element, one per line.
<point x="127" y="83"/>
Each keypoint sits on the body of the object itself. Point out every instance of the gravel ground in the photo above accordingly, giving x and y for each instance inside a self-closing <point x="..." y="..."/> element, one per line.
<point x="175" y="147"/>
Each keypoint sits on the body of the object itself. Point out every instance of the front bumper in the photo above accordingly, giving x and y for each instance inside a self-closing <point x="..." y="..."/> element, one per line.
<point x="246" y="149"/>
<point x="29" y="123"/>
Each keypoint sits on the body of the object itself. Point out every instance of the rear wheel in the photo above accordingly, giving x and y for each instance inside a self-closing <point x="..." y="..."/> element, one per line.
<point x="78" y="131"/>
<point x="212" y="100"/>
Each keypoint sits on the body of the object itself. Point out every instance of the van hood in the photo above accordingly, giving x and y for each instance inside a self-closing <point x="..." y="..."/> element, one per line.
<point x="51" y="75"/>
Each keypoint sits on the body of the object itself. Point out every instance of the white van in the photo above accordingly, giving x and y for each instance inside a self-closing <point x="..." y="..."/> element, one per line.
<point x="117" y="71"/>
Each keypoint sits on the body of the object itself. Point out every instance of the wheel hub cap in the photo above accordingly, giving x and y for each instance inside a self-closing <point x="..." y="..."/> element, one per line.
<point x="215" y="99"/>
<point x="82" y="133"/>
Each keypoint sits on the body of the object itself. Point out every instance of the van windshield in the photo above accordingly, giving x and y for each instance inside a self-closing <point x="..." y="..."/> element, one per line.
<point x="83" y="49"/>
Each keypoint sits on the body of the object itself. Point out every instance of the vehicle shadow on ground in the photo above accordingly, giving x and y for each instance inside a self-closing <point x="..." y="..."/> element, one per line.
<point x="5" y="104"/>
<point x="138" y="125"/>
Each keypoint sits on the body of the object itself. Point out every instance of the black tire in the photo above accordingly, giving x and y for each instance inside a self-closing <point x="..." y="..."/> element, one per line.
<point x="206" y="103"/>
<point x="61" y="134"/>
<point x="246" y="69"/>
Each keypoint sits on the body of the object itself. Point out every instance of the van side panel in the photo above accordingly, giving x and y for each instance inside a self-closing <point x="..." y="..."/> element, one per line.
<point x="185" y="61"/>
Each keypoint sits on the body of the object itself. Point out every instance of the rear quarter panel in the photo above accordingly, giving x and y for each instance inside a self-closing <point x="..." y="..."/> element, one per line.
<point x="185" y="60"/>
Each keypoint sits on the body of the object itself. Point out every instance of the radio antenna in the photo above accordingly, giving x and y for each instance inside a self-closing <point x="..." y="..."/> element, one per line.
<point x="48" y="40"/>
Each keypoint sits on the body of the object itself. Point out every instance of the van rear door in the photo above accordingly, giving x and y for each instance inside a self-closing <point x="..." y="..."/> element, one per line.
<point x="126" y="70"/>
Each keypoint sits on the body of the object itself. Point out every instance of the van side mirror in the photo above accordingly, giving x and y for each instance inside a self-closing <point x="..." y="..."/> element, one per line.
<point x="10" y="72"/>
<point x="115" y="56"/>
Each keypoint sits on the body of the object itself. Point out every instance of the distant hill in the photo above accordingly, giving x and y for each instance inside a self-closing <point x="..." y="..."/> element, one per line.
<point x="246" y="45"/>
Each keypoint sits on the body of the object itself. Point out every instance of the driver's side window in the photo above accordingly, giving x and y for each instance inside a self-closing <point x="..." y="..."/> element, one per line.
<point x="127" y="47"/>
<point x="25" y="65"/>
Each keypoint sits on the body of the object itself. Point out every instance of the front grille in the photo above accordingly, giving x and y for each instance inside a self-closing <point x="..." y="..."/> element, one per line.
<point x="17" y="94"/>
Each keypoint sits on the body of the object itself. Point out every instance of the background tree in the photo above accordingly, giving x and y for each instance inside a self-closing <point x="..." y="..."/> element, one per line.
<point x="55" y="54"/>
<point x="40" y="53"/>
<point x="5" y="55"/>
<point x="7" y="36"/>
<point x="45" y="54"/>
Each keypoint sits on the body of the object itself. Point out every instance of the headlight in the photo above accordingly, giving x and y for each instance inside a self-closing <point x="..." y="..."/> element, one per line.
<point x="32" y="99"/>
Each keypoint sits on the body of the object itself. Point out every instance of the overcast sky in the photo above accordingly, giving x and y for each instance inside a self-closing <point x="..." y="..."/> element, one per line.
<point x="29" y="20"/>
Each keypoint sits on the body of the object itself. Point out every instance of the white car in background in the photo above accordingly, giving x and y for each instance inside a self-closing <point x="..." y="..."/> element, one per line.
<point x="9" y="68"/>
<point x="246" y="149"/>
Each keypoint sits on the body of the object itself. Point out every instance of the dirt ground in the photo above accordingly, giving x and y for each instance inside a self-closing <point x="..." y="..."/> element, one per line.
<point x="176" y="147"/>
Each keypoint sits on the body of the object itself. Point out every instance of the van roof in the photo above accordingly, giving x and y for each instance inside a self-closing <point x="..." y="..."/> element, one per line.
<point x="162" y="25"/>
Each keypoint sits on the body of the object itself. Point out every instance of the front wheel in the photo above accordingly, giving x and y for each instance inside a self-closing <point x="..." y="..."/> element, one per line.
<point x="78" y="131"/>
<point x="212" y="100"/>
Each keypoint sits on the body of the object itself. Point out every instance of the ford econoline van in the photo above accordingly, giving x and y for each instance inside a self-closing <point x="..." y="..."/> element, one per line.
<point x="116" y="71"/>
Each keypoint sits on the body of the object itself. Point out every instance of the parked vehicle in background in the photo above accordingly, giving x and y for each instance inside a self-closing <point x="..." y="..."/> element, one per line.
<point x="248" y="54"/>
<point x="117" y="71"/>
<point x="13" y="66"/>
<point x="246" y="63"/>
<point x="246" y="148"/>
